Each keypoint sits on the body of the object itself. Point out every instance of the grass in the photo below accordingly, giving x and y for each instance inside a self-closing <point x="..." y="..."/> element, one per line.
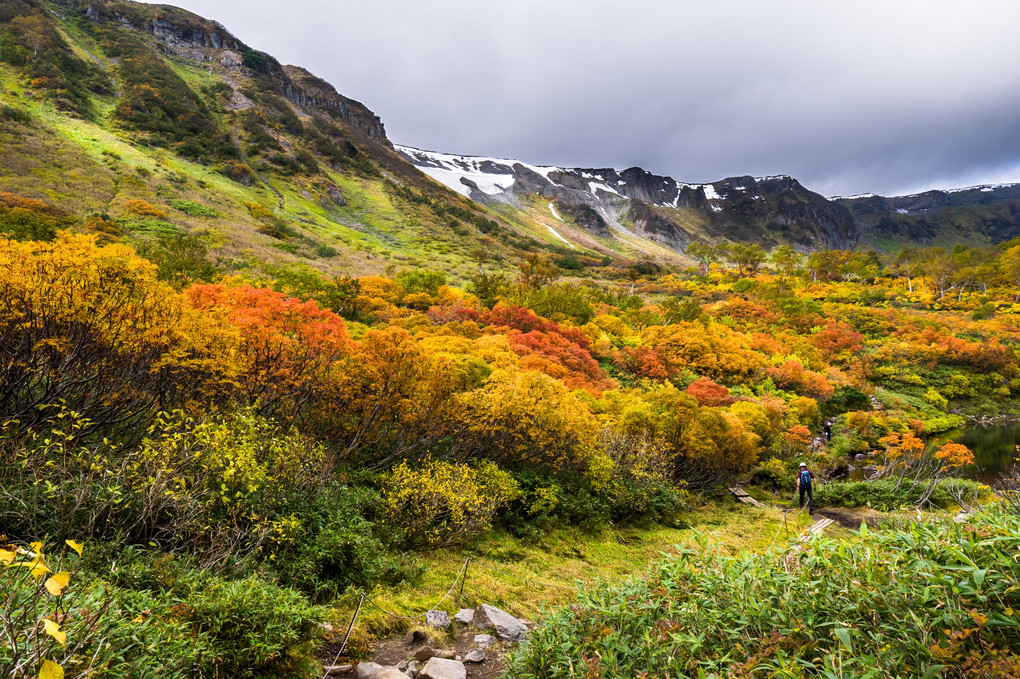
<point x="562" y="557"/>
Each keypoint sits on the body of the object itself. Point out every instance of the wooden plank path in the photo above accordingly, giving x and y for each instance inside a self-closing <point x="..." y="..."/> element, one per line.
<point x="816" y="529"/>
<point x="742" y="495"/>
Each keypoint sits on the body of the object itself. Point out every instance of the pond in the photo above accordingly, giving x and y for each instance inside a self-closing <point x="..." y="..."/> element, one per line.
<point x="995" y="449"/>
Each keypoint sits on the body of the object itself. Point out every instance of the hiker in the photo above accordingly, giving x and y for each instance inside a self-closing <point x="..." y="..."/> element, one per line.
<point x="805" y="480"/>
<point x="827" y="430"/>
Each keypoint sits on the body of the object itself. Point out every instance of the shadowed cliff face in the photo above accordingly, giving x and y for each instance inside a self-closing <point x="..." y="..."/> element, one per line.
<point x="766" y="210"/>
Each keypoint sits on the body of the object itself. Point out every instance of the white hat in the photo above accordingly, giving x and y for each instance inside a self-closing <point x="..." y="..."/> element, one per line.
<point x="803" y="464"/>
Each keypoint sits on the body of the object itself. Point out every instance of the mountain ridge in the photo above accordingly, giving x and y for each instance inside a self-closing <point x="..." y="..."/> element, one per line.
<point x="109" y="102"/>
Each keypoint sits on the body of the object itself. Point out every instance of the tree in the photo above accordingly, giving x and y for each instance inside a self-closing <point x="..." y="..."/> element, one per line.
<point x="747" y="255"/>
<point x="786" y="259"/>
<point x="906" y="264"/>
<point x="939" y="267"/>
<point x="1010" y="262"/>
<point x="704" y="253"/>
<point x="536" y="271"/>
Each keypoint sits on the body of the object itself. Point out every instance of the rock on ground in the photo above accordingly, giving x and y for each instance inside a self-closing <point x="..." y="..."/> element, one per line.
<point x="438" y="668"/>
<point x="437" y="619"/>
<point x="371" y="670"/>
<point x="464" y="616"/>
<point x="475" y="656"/>
<point x="484" y="640"/>
<point x="337" y="670"/>
<point x="507" y="627"/>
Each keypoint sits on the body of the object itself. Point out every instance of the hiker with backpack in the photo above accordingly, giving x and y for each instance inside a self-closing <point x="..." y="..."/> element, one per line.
<point x="805" y="481"/>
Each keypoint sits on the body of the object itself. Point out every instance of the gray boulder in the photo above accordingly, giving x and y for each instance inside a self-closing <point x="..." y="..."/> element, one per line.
<point x="464" y="616"/>
<point x="367" y="669"/>
<point x="506" y="626"/>
<point x="437" y="619"/>
<point x="475" y="656"/>
<point x="484" y="640"/>
<point x="439" y="668"/>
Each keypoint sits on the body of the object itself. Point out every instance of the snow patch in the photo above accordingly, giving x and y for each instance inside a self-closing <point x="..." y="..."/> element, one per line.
<point x="595" y="186"/>
<point x="902" y="211"/>
<point x="557" y="234"/>
<point x="554" y="213"/>
<point x="497" y="175"/>
<point x="855" y="197"/>
<point x="711" y="193"/>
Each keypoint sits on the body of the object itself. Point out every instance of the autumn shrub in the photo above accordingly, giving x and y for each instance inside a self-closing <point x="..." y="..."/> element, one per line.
<point x="442" y="503"/>
<point x="30" y="219"/>
<point x="230" y="486"/>
<point x="772" y="474"/>
<point x="91" y="327"/>
<point x="145" y="209"/>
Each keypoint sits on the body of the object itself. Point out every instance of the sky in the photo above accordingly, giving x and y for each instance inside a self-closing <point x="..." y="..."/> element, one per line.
<point x="850" y="97"/>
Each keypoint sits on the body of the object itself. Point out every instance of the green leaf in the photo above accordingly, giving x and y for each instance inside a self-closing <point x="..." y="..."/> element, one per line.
<point x="844" y="636"/>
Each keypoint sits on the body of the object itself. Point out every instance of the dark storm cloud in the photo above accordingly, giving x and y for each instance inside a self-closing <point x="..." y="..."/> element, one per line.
<point x="848" y="97"/>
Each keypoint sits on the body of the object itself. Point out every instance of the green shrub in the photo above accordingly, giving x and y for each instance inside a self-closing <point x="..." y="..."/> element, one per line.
<point x="892" y="603"/>
<point x="192" y="208"/>
<point x="250" y="628"/>
<point x="889" y="494"/>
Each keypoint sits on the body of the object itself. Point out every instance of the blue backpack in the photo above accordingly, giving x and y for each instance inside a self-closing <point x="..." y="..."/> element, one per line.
<point x="805" y="478"/>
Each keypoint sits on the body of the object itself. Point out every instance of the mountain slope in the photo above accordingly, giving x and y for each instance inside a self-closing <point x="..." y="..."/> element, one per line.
<point x="148" y="121"/>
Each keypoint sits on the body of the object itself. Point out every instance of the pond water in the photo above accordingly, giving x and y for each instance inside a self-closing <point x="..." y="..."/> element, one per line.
<point x="995" y="449"/>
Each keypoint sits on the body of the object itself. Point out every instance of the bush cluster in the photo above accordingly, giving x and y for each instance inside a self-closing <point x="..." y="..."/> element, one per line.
<point x="911" y="602"/>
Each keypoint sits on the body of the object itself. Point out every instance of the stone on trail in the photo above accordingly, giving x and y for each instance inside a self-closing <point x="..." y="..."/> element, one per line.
<point x="507" y="627"/>
<point x="464" y="616"/>
<point x="423" y="653"/>
<point x="371" y="670"/>
<point x="367" y="669"/>
<point x="477" y="655"/>
<point x="484" y="640"/>
<point x="438" y="668"/>
<point x="437" y="619"/>
<point x="337" y="670"/>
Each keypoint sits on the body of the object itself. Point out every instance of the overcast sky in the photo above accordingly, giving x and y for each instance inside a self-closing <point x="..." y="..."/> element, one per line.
<point x="889" y="97"/>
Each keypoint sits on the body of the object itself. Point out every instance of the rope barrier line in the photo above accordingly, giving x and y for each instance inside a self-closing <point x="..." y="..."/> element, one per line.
<point x="420" y="615"/>
<point x="348" y="635"/>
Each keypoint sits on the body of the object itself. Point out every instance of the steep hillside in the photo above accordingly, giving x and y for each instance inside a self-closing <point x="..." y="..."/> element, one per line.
<point x="147" y="123"/>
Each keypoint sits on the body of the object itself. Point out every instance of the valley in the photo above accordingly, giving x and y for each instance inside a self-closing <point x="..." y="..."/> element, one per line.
<point x="262" y="369"/>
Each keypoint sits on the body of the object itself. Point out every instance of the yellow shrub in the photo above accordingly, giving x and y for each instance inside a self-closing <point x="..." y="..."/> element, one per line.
<point x="442" y="502"/>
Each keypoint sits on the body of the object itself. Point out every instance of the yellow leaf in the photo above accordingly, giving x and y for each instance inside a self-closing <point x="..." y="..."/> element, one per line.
<point x="53" y="629"/>
<point x="76" y="546"/>
<point x="51" y="670"/>
<point x="39" y="569"/>
<point x="7" y="555"/>
<point x="57" y="583"/>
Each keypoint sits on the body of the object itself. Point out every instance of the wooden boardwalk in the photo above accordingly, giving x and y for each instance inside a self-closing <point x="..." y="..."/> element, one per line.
<point x="742" y="495"/>
<point x="816" y="529"/>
